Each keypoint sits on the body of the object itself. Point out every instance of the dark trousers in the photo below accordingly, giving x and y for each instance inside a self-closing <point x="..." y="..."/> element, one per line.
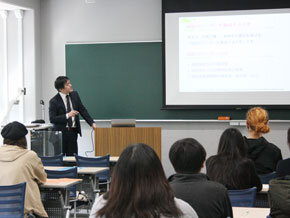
<point x="69" y="142"/>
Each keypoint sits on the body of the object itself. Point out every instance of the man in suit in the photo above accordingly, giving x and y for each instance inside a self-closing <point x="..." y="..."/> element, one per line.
<point x="64" y="109"/>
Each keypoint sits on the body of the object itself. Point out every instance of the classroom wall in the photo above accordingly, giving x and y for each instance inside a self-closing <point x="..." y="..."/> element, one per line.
<point x="104" y="21"/>
<point x="32" y="60"/>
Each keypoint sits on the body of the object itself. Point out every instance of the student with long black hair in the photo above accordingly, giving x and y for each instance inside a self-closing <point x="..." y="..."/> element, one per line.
<point x="230" y="166"/>
<point x="139" y="188"/>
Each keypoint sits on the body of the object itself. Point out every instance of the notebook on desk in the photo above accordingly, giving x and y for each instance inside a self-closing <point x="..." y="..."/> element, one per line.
<point x="123" y="122"/>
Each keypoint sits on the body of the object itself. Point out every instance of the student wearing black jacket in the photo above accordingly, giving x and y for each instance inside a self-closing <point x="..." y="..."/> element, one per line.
<point x="230" y="166"/>
<point x="264" y="154"/>
<point x="283" y="167"/>
<point x="209" y="199"/>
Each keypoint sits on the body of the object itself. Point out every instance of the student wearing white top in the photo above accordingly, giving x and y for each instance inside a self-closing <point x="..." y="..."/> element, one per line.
<point x="139" y="188"/>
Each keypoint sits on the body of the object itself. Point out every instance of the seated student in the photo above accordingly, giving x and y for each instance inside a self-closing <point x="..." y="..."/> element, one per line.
<point x="17" y="165"/>
<point x="209" y="199"/>
<point x="264" y="154"/>
<point x="230" y="166"/>
<point x="283" y="167"/>
<point x="278" y="197"/>
<point x="139" y="189"/>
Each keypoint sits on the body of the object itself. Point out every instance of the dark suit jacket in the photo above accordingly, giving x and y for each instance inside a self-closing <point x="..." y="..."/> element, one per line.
<point x="57" y="112"/>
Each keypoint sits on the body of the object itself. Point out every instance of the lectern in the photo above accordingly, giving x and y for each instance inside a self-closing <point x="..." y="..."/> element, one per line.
<point x="113" y="140"/>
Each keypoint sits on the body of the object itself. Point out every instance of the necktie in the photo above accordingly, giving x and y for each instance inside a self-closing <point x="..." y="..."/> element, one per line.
<point x="68" y="109"/>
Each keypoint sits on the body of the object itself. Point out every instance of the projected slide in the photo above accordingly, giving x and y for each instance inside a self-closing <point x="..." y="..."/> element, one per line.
<point x="228" y="58"/>
<point x="237" y="50"/>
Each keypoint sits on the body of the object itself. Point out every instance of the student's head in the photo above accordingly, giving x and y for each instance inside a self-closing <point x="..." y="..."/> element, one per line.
<point x="232" y="143"/>
<point x="139" y="187"/>
<point x="62" y="84"/>
<point x="258" y="120"/>
<point x="187" y="156"/>
<point x="14" y="134"/>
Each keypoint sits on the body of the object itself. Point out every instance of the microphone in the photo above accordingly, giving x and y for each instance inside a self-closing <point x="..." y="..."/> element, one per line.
<point x="42" y="109"/>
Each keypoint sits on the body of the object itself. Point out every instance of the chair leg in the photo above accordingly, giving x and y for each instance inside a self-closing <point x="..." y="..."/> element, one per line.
<point x="75" y="209"/>
<point x="67" y="213"/>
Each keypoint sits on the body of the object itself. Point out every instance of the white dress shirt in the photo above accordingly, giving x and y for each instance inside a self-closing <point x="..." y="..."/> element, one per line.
<point x="63" y="96"/>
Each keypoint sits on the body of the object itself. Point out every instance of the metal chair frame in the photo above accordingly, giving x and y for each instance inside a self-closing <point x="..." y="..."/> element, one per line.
<point x="103" y="161"/>
<point x="243" y="197"/>
<point x="69" y="173"/>
<point x="12" y="198"/>
<point x="52" y="160"/>
<point x="265" y="178"/>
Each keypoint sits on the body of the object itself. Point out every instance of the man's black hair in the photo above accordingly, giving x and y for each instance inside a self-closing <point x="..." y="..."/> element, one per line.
<point x="187" y="156"/>
<point x="60" y="82"/>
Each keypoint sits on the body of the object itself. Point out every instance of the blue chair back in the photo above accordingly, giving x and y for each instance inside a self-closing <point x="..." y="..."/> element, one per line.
<point x="265" y="178"/>
<point x="103" y="161"/>
<point x="52" y="161"/>
<point x="12" y="200"/>
<point x="243" y="197"/>
<point x="67" y="172"/>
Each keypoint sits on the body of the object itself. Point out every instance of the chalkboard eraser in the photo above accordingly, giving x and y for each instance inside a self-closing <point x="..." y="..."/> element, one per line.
<point x="224" y="118"/>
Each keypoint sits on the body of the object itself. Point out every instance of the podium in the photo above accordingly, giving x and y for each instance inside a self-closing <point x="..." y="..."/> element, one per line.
<point x="43" y="140"/>
<point x="113" y="140"/>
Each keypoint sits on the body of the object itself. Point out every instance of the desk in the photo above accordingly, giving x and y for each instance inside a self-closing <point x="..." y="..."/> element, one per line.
<point x="90" y="182"/>
<point x="57" y="189"/>
<point x="250" y="212"/>
<point x="72" y="159"/>
<point x="60" y="183"/>
<point x="81" y="170"/>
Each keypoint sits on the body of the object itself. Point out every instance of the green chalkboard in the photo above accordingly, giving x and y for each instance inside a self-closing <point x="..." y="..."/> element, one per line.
<point x="124" y="80"/>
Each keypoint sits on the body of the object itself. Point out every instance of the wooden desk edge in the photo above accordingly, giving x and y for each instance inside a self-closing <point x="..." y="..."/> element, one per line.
<point x="67" y="184"/>
<point x="72" y="159"/>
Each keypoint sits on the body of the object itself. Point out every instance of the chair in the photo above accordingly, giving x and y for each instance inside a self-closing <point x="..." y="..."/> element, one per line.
<point x="12" y="200"/>
<point x="104" y="177"/>
<point x="71" y="172"/>
<point x="52" y="161"/>
<point x="243" y="197"/>
<point x="265" y="178"/>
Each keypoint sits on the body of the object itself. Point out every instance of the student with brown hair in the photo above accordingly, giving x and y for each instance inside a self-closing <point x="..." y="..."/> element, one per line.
<point x="140" y="189"/>
<point x="264" y="154"/>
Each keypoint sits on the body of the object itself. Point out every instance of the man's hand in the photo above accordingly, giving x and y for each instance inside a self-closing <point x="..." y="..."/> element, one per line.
<point x="94" y="126"/>
<point x="73" y="113"/>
